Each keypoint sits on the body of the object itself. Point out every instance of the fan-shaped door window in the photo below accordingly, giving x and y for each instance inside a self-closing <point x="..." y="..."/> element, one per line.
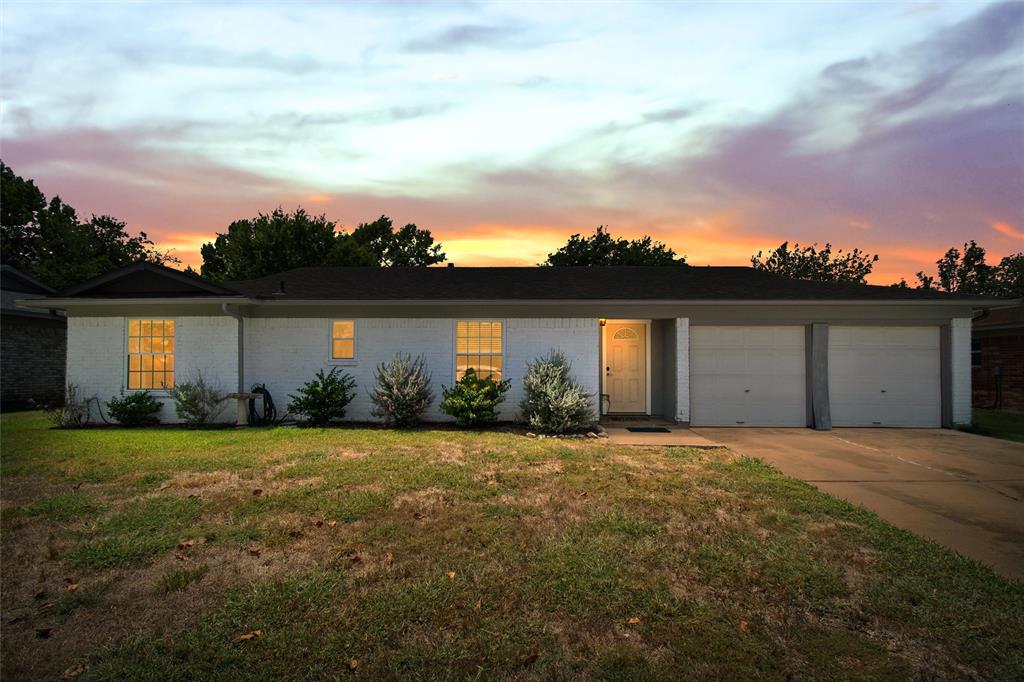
<point x="626" y="333"/>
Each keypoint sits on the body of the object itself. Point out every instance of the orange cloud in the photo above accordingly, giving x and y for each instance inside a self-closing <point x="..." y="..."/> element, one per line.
<point x="1007" y="230"/>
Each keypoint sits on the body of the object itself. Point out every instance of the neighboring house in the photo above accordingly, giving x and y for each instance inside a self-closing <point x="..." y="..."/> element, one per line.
<point x="997" y="358"/>
<point x="699" y="345"/>
<point x="32" y="343"/>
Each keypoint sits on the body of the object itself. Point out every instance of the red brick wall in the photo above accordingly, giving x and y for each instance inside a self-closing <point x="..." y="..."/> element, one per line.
<point x="1006" y="352"/>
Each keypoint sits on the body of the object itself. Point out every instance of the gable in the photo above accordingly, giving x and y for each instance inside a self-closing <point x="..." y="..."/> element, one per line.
<point x="146" y="280"/>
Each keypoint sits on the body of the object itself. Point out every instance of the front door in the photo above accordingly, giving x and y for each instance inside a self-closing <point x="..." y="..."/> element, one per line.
<point x="625" y="372"/>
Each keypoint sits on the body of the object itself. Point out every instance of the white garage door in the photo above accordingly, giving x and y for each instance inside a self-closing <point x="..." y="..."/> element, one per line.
<point x="747" y="376"/>
<point x="884" y="376"/>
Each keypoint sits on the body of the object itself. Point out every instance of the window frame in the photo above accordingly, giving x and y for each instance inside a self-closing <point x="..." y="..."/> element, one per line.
<point x="977" y="361"/>
<point x="126" y="360"/>
<point x="342" y="362"/>
<point x="455" y="344"/>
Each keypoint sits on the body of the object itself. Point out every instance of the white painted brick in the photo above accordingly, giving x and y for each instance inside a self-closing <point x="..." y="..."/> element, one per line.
<point x="284" y="353"/>
<point x="683" y="369"/>
<point x="97" y="359"/>
<point x="960" y="370"/>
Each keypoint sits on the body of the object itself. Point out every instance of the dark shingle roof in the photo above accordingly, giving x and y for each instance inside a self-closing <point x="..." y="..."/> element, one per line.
<point x="563" y="283"/>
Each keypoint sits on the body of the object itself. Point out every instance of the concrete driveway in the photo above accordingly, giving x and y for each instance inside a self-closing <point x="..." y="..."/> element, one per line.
<point x="962" y="490"/>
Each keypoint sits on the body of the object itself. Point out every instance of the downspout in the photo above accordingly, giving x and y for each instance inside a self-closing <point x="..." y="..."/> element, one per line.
<point x="241" y="344"/>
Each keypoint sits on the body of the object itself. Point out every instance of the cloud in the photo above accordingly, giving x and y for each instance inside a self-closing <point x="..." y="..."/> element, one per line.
<point x="465" y="36"/>
<point x="1007" y="230"/>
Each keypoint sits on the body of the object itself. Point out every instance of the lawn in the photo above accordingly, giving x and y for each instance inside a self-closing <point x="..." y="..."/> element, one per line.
<point x="329" y="553"/>
<point x="998" y="424"/>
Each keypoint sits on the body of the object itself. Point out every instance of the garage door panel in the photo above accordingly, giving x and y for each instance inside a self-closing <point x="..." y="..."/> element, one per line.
<point x="885" y="376"/>
<point x="747" y="375"/>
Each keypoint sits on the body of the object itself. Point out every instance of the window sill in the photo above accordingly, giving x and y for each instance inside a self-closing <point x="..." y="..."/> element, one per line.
<point x="343" y="363"/>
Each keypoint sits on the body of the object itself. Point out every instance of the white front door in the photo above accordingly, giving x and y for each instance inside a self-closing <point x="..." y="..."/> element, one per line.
<point x="625" y="372"/>
<point x="747" y="376"/>
<point x="885" y="376"/>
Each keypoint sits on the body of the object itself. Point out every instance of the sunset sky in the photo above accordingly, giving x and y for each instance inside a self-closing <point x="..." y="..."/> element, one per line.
<point x="504" y="127"/>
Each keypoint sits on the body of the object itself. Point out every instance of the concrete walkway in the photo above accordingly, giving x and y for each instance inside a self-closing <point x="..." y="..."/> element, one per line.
<point x="677" y="436"/>
<point x="962" y="490"/>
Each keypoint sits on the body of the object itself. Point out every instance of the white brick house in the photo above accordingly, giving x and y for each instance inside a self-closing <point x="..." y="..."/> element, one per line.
<point x="698" y="345"/>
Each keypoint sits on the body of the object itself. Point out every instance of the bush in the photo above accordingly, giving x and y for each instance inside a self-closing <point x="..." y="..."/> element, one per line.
<point x="196" y="401"/>
<point x="324" y="398"/>
<point x="554" y="402"/>
<point x="74" y="413"/>
<point x="134" y="409"/>
<point x="474" y="401"/>
<point x="403" y="391"/>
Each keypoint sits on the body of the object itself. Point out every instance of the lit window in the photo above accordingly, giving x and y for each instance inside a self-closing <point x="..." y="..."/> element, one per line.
<point x="478" y="347"/>
<point x="975" y="353"/>
<point x="343" y="339"/>
<point x="150" y="354"/>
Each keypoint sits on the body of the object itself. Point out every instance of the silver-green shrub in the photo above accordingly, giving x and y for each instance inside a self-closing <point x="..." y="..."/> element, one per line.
<point x="553" y="401"/>
<point x="197" y="401"/>
<point x="402" y="393"/>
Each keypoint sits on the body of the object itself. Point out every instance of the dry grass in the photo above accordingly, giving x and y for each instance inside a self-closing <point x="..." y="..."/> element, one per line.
<point x="450" y="555"/>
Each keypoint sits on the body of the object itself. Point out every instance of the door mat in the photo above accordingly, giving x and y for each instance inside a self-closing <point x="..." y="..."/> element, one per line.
<point x="647" y="429"/>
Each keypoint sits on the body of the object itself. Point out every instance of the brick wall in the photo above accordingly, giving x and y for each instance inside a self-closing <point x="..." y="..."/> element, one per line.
<point x="32" y="352"/>
<point x="1006" y="352"/>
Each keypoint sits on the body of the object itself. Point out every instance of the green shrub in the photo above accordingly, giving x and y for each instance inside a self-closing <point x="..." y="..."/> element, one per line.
<point x="324" y="398"/>
<point x="554" y="402"/>
<point x="134" y="409"/>
<point x="474" y="401"/>
<point x="196" y="401"/>
<point x="403" y="392"/>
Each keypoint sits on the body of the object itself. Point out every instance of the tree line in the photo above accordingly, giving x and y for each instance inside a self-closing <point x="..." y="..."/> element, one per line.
<point x="48" y="240"/>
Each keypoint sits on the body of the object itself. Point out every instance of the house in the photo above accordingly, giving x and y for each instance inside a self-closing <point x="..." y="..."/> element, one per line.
<point x="698" y="345"/>
<point x="32" y="343"/>
<point x="997" y="358"/>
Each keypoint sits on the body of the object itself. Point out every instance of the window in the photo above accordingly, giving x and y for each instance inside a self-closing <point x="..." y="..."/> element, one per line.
<point x="975" y="353"/>
<point x="150" y="354"/>
<point x="343" y="340"/>
<point x="478" y="346"/>
<point x="626" y="333"/>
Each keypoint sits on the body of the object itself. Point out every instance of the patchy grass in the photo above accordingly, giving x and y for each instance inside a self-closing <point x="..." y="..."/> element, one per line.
<point x="998" y="424"/>
<point x="180" y="578"/>
<point x="442" y="554"/>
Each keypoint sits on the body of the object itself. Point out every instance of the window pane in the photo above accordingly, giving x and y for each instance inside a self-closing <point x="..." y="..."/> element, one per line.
<point x="147" y="362"/>
<point x="146" y="328"/>
<point x="147" y="380"/>
<point x="133" y="380"/>
<point x="344" y="329"/>
<point x="169" y="362"/>
<point x="158" y="344"/>
<point x="158" y="327"/>
<point x="169" y="379"/>
<point x="168" y="345"/>
<point x="343" y="350"/>
<point x="133" y="327"/>
<point x="146" y="344"/>
<point x="168" y="327"/>
<point x="133" y="345"/>
<point x="134" y="363"/>
<point x="158" y="363"/>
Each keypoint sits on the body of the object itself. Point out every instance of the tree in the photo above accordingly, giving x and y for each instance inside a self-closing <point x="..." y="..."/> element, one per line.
<point x="601" y="248"/>
<point x="408" y="247"/>
<point x="281" y="241"/>
<point x="48" y="241"/>
<point x="965" y="271"/>
<point x="811" y="263"/>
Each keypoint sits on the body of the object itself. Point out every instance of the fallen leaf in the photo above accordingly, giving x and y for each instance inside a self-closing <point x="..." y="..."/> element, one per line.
<point x="451" y="575"/>
<point x="492" y="482"/>
<point x="72" y="587"/>
<point x="353" y="663"/>
<point x="47" y="605"/>
<point x="180" y="556"/>
<point x="40" y="595"/>
<point x="332" y="523"/>
<point x="186" y="545"/>
<point x="356" y="559"/>
<point x="74" y="671"/>
<point x="479" y="604"/>
<point x="529" y="660"/>
<point x="318" y="523"/>
<point x="254" y="551"/>
<point x="635" y="620"/>
<point x="257" y="492"/>
<point x="43" y="633"/>
<point x="254" y="634"/>
<point x="744" y="626"/>
<point x="417" y="515"/>
<point x="583" y="494"/>
<point x="389" y="559"/>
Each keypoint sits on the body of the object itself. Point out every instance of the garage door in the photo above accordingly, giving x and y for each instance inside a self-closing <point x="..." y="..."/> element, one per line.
<point x="884" y="376"/>
<point x="747" y="376"/>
